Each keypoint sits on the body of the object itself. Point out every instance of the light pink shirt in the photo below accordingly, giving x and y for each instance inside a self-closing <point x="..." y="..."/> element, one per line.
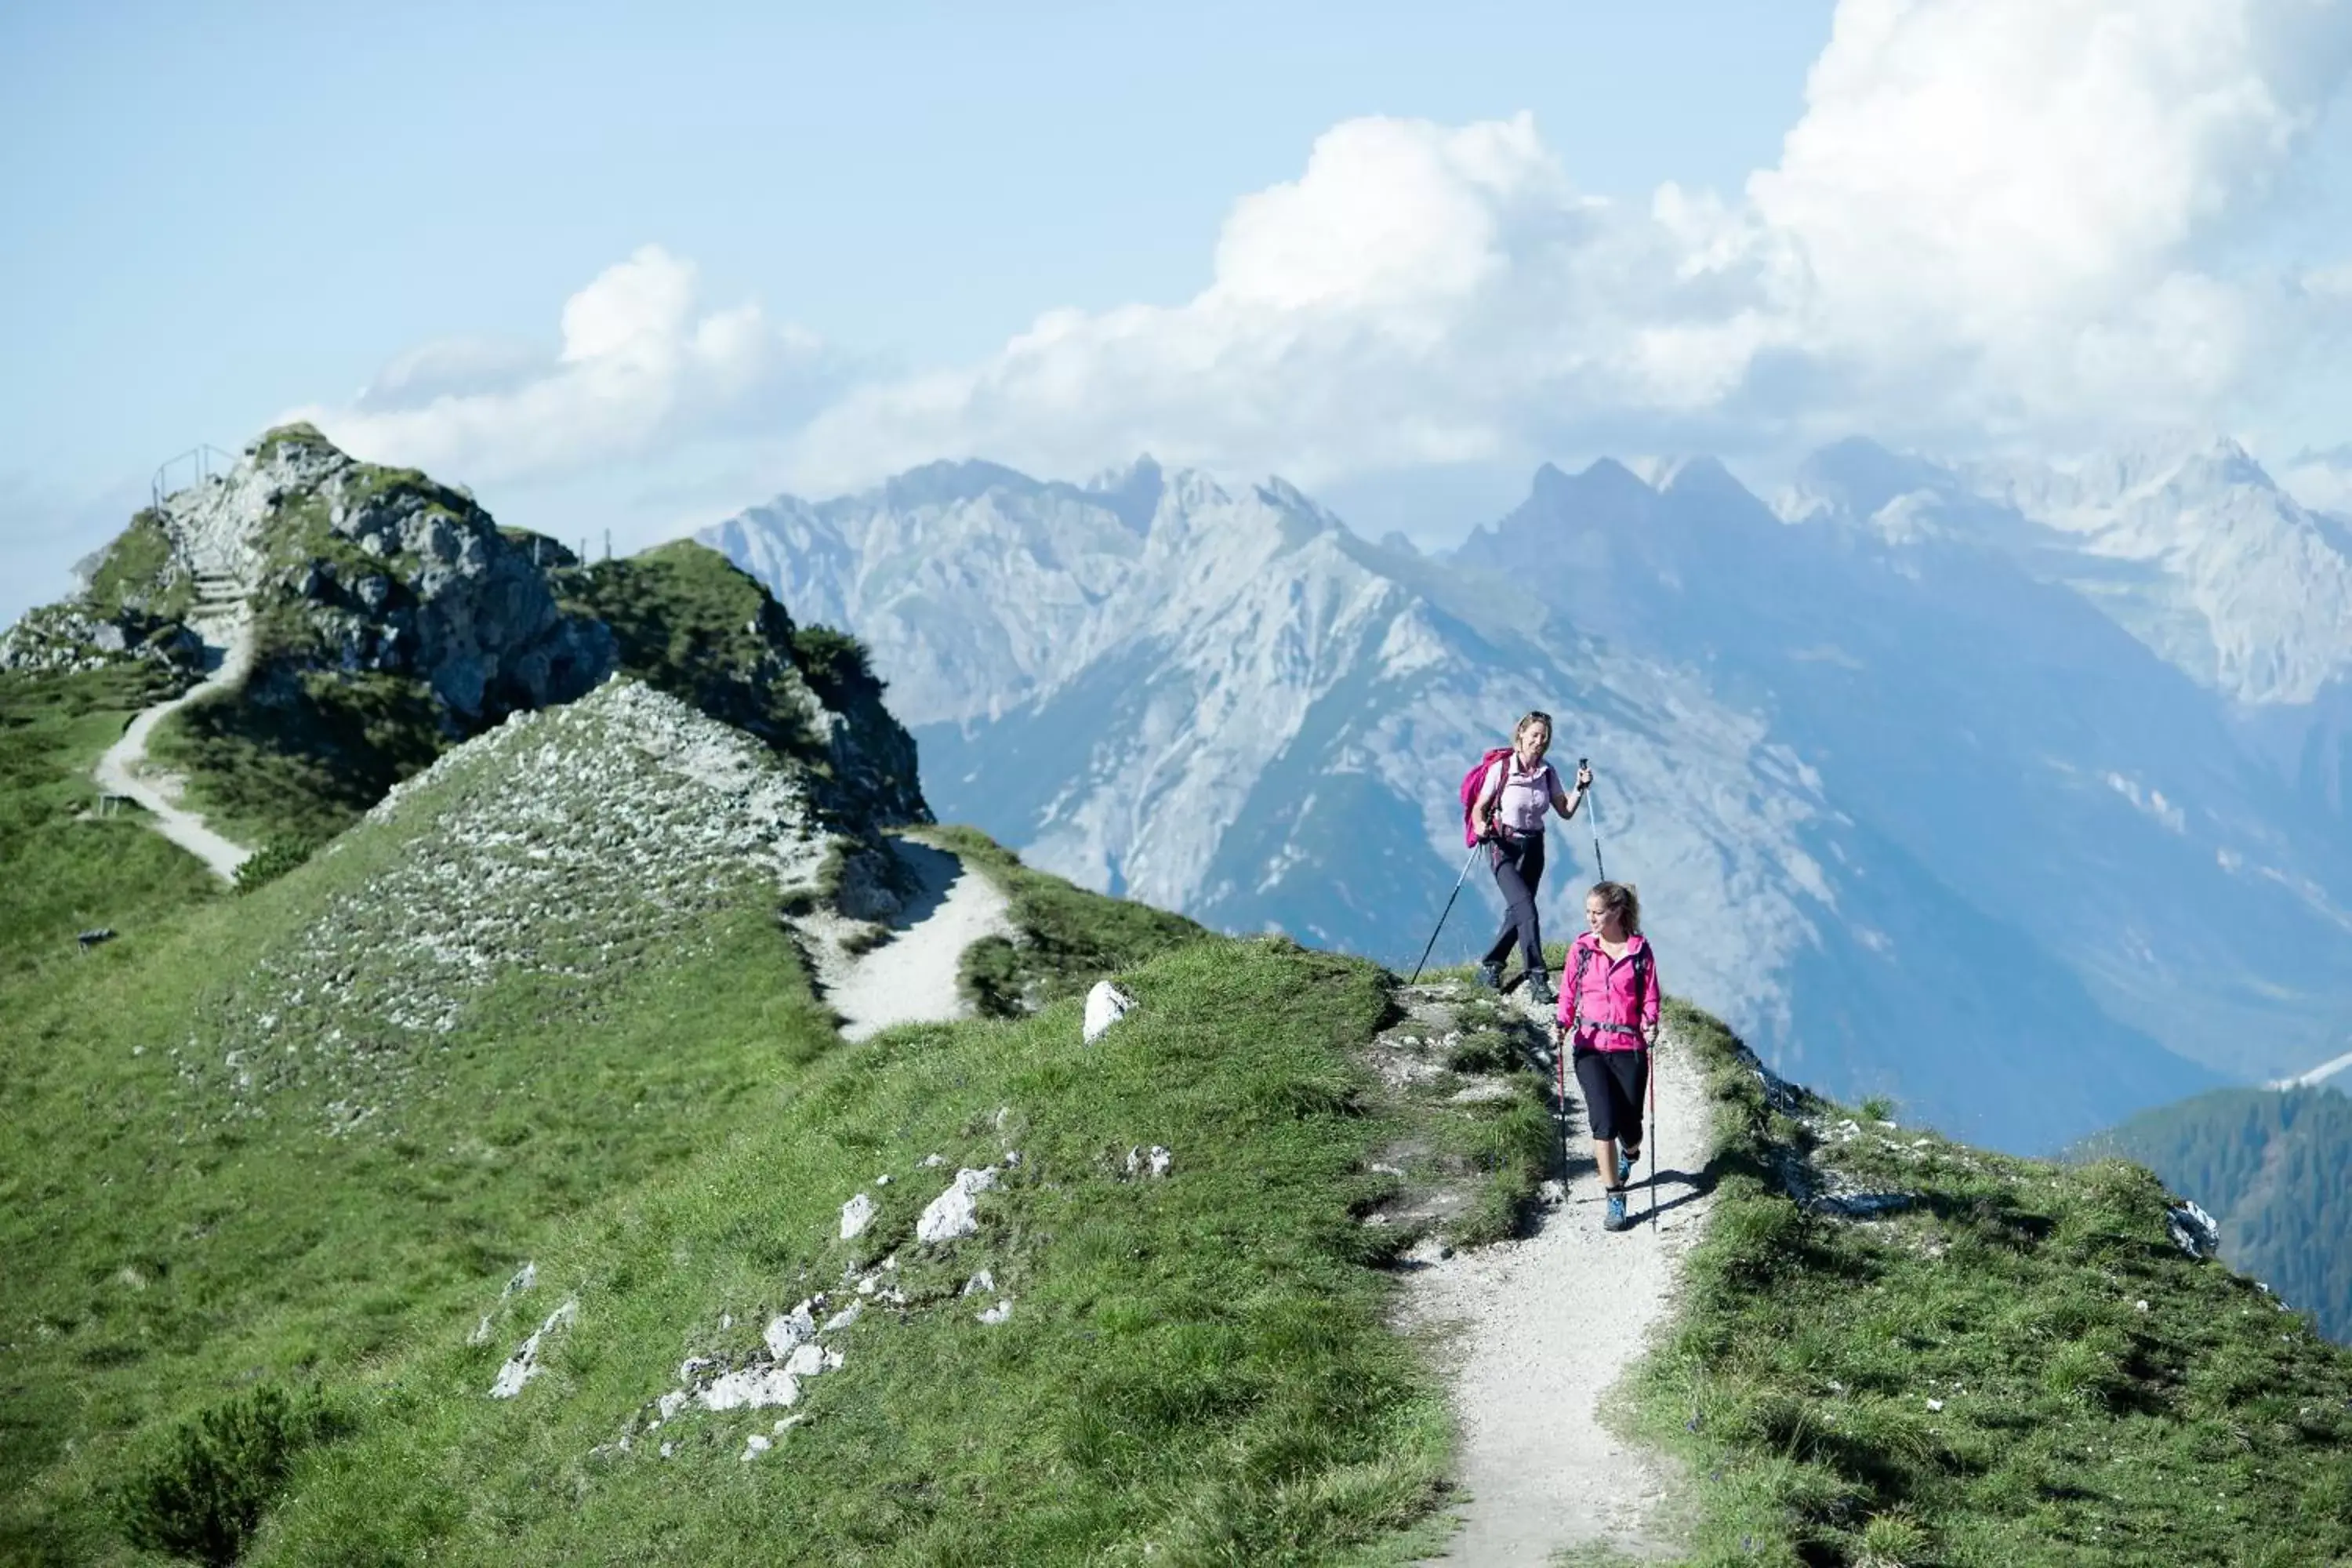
<point x="1526" y="795"/>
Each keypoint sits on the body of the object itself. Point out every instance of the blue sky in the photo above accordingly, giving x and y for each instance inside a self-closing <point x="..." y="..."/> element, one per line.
<point x="858" y="214"/>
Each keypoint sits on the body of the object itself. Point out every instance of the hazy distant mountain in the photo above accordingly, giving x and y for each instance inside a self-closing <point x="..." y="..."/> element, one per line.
<point x="1917" y="818"/>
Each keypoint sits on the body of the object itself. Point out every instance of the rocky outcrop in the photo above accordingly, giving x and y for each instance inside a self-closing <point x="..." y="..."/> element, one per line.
<point x="388" y="616"/>
<point x="355" y="567"/>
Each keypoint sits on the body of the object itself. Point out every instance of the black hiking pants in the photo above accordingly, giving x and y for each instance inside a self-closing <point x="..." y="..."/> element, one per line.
<point x="1612" y="1083"/>
<point x="1518" y="860"/>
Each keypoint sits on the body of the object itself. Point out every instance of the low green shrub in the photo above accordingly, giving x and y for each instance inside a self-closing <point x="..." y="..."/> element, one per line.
<point x="203" y="1494"/>
<point x="271" y="861"/>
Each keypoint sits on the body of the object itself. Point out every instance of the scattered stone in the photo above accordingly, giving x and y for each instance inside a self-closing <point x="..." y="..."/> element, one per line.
<point x="999" y="1312"/>
<point x="883" y="1180"/>
<point x="1484" y="1091"/>
<point x="788" y="1330"/>
<point x="1552" y="1193"/>
<point x="525" y="1278"/>
<point x="754" y="1445"/>
<point x="1866" y="1206"/>
<point x="932" y="1161"/>
<point x="1156" y="1162"/>
<point x="856" y="1215"/>
<point x="1106" y="1006"/>
<point x="524" y="1364"/>
<point x="2192" y="1230"/>
<point x="844" y="1318"/>
<point x="956" y="1211"/>
<point x="750" y="1388"/>
<point x="982" y="1283"/>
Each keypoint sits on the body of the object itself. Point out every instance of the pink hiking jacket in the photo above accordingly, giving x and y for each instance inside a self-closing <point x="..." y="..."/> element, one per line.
<point x="1617" y="998"/>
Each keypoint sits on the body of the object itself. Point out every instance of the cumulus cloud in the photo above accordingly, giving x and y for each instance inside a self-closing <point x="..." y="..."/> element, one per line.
<point x="641" y="364"/>
<point x="2320" y="479"/>
<point x="1992" y="216"/>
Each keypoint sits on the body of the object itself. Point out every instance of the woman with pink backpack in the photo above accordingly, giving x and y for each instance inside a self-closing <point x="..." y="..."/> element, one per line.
<point x="1507" y="811"/>
<point x="1608" y="1024"/>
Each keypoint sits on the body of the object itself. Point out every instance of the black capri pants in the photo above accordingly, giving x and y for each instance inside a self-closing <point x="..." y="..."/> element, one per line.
<point x="1614" y="1082"/>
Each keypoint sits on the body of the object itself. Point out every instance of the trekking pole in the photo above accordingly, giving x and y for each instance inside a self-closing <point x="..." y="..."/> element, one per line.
<point x="1559" y="1095"/>
<point x="1592" y="803"/>
<point x="1653" y="1054"/>
<point x="1447" y="910"/>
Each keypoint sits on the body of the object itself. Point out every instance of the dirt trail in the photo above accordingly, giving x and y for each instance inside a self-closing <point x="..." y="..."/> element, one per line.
<point x="1536" y="1330"/>
<point x="118" y="772"/>
<point x="911" y="978"/>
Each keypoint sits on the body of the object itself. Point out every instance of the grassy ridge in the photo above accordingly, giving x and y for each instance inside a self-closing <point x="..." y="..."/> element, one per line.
<point x="65" y="874"/>
<point x="2021" y="1367"/>
<point x="165" y="1250"/>
<point x="1195" y="1368"/>
<point x="2274" y="1166"/>
<point x="1068" y="937"/>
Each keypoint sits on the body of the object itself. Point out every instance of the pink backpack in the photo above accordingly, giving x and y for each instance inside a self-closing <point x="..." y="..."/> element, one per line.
<point x="1472" y="783"/>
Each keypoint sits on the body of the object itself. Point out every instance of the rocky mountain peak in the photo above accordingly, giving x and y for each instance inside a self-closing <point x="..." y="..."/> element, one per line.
<point x="381" y="615"/>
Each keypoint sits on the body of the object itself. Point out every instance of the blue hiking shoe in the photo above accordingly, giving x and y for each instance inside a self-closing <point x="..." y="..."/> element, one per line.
<point x="1615" y="1218"/>
<point x="1626" y="1161"/>
<point x="1490" y="976"/>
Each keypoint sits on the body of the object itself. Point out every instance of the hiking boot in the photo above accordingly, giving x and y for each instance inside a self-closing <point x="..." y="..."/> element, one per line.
<point x="1626" y="1160"/>
<point x="1490" y="976"/>
<point x="1539" y="987"/>
<point x="1615" y="1218"/>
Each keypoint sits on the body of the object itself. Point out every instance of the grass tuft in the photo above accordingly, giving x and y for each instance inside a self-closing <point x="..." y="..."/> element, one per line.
<point x="2019" y="1366"/>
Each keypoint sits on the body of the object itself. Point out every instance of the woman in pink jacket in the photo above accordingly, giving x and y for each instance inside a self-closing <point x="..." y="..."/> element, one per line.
<point x="1608" y="1021"/>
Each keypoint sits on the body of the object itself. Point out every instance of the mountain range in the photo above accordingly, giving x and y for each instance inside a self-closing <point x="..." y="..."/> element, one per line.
<point x="2012" y="791"/>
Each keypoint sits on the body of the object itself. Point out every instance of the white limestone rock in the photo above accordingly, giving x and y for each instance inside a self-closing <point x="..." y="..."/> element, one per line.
<point x="1106" y="1006"/>
<point x="524" y="1364"/>
<point x="955" y="1212"/>
<point x="856" y="1215"/>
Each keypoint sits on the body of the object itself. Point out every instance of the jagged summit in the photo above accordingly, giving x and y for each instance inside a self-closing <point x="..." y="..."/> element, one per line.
<point x="360" y="618"/>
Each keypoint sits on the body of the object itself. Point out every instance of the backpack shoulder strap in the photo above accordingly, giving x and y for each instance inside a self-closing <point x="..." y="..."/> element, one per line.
<point x="1575" y="989"/>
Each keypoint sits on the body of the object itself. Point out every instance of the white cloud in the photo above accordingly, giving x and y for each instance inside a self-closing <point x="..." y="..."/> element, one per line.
<point x="2321" y="481"/>
<point x="641" y="365"/>
<point x="1993" y="216"/>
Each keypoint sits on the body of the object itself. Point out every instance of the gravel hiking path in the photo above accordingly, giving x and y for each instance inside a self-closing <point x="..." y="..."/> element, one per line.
<point x="911" y="978"/>
<point x="118" y="772"/>
<point x="1534" y="1331"/>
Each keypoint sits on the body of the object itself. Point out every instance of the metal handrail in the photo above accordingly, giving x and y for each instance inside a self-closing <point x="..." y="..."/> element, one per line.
<point x="204" y="460"/>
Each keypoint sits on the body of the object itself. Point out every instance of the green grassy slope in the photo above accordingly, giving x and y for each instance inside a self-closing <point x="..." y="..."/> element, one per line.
<point x="2274" y="1169"/>
<point x="2019" y="1367"/>
<point x="1196" y="1367"/>
<point x="194" y="1218"/>
<point x="174" y="1235"/>
<point x="65" y="874"/>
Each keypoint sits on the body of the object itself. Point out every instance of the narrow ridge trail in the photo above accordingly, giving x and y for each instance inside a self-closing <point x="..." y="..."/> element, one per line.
<point x="1534" y="1331"/>
<point x="117" y="771"/>
<point x="911" y="978"/>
